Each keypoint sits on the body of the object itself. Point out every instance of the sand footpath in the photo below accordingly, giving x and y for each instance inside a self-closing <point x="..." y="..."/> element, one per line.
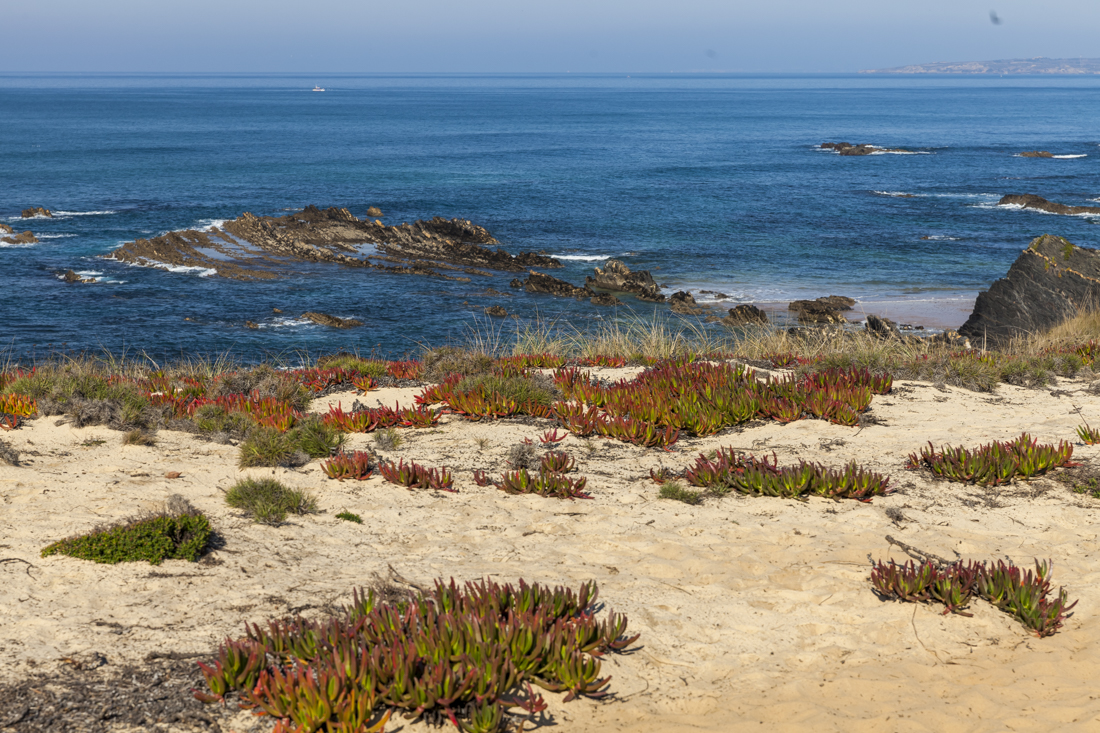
<point x="755" y="613"/>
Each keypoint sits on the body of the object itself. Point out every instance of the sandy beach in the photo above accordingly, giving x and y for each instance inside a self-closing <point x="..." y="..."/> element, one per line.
<point x="754" y="613"/>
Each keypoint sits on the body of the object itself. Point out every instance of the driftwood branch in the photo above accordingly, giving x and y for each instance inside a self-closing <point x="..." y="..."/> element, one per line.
<point x="919" y="554"/>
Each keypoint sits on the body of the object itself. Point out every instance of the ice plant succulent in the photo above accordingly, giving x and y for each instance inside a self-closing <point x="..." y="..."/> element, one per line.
<point x="995" y="463"/>
<point x="1024" y="594"/>
<point x="730" y="470"/>
<point x="414" y="476"/>
<point x="358" y="465"/>
<point x="464" y="653"/>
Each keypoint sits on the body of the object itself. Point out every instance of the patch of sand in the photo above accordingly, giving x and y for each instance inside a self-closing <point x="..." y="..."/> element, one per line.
<point x="755" y="614"/>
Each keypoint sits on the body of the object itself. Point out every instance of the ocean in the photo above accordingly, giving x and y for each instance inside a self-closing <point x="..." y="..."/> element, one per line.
<point x="711" y="182"/>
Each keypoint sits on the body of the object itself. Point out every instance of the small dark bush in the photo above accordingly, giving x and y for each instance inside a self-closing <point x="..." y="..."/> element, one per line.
<point x="178" y="532"/>
<point x="267" y="501"/>
<point x="442" y="362"/>
<point x="349" y="517"/>
<point x="138" y="437"/>
<point x="524" y="455"/>
<point x="8" y="454"/>
<point x="388" y="439"/>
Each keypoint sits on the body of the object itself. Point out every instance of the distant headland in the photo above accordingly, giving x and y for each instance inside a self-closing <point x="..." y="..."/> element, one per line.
<point x="1037" y="65"/>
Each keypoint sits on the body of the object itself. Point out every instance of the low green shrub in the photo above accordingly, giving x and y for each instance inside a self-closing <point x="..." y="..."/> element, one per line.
<point x="677" y="492"/>
<point x="178" y="532"/>
<point x="267" y="501"/>
<point x="349" y="517"/>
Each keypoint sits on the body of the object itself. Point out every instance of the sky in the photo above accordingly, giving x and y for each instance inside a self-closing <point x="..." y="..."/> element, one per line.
<point x="532" y="36"/>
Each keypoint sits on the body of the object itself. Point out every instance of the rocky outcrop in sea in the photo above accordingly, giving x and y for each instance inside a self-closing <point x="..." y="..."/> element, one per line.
<point x="1049" y="282"/>
<point x="1030" y="201"/>
<point x="860" y="149"/>
<point x="1036" y="154"/>
<point x="617" y="277"/>
<point x="266" y="247"/>
<point x="827" y="309"/>
<point x="25" y="238"/>
<point x="36" y="211"/>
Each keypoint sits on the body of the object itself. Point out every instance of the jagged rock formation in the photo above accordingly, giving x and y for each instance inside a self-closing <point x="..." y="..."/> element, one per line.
<point x="745" y="314"/>
<point x="538" y="282"/>
<point x="618" y="277"/>
<point x="882" y="327"/>
<point x="1050" y="281"/>
<point x="1036" y="154"/>
<point x="375" y="212"/>
<point x="5" y="229"/>
<point x="1030" y="201"/>
<point x="860" y="149"/>
<point x="25" y="238"/>
<point x="36" y="211"/>
<point x="827" y="309"/>
<point x="684" y="303"/>
<point x="257" y="248"/>
<point x="324" y="319"/>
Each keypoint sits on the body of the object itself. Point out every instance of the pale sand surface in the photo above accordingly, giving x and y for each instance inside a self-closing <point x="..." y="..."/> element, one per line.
<point x="755" y="614"/>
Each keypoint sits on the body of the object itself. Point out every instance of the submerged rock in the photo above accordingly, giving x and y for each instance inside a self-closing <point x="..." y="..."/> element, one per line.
<point x="325" y="319"/>
<point x="36" y="211"/>
<point x="496" y="311"/>
<point x="1030" y="201"/>
<point x="1050" y="281"/>
<point x="745" y="314"/>
<point x="605" y="299"/>
<point x="618" y="277"/>
<point x="375" y="212"/>
<point x="25" y="238"/>
<point x="5" y="229"/>
<point x="1036" y="154"/>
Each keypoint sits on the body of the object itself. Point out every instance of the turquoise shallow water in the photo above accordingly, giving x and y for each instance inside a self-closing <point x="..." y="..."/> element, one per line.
<point x="712" y="182"/>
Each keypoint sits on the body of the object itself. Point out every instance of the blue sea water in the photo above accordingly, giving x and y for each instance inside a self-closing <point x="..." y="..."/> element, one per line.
<point x="711" y="182"/>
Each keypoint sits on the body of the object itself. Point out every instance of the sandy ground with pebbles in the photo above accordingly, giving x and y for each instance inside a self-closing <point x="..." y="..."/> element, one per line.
<point x="755" y="614"/>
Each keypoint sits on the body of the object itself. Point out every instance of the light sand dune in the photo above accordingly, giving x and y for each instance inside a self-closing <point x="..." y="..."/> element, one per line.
<point x="755" y="614"/>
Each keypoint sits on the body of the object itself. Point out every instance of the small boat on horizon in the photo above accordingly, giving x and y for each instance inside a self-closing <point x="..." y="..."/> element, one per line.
<point x="318" y="89"/>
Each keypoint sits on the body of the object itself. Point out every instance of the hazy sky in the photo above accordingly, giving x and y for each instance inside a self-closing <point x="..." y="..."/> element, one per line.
<point x="534" y="35"/>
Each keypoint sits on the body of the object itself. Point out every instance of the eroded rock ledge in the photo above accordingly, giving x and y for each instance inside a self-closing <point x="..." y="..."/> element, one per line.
<point x="264" y="247"/>
<point x="1050" y="281"/>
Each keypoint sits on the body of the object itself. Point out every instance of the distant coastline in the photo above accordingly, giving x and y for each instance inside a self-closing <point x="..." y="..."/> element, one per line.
<point x="1037" y="65"/>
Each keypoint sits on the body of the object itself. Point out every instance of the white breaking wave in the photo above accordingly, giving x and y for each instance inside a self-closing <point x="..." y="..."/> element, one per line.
<point x="895" y="194"/>
<point x="1020" y="207"/>
<point x="17" y="245"/>
<point x="81" y="213"/>
<point x="200" y="271"/>
<point x="209" y="225"/>
<point x="941" y="238"/>
<point x="901" y="152"/>
<point x="55" y="236"/>
<point x="588" y="258"/>
<point x="1067" y="157"/>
